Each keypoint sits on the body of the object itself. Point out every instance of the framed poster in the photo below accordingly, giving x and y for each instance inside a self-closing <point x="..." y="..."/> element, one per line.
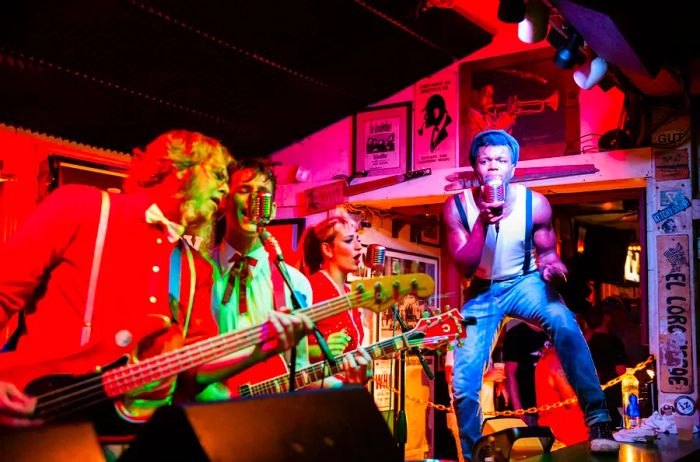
<point x="382" y="139"/>
<point x="525" y="94"/>
<point x="435" y="139"/>
<point x="409" y="306"/>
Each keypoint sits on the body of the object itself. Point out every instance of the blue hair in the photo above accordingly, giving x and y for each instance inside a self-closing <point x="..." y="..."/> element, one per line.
<point x="494" y="138"/>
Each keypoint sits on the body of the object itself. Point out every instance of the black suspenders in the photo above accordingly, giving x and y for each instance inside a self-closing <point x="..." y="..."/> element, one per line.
<point x="528" y="225"/>
<point x="528" y="232"/>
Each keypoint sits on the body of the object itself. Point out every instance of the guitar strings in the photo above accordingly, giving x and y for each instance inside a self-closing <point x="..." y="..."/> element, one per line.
<point x="230" y="342"/>
<point x="90" y="391"/>
<point x="271" y="386"/>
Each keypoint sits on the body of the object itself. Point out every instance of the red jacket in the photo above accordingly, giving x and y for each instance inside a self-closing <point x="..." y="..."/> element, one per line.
<point x="348" y="321"/>
<point x="45" y="269"/>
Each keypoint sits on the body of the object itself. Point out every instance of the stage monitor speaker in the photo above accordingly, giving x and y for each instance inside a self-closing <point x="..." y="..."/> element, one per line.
<point x="510" y="438"/>
<point x="319" y="425"/>
<point x="57" y="443"/>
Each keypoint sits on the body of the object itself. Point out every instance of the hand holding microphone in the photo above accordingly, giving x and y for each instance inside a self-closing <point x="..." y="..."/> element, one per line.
<point x="493" y="197"/>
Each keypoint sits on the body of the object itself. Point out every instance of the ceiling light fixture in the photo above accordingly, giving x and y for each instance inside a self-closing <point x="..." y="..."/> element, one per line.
<point x="591" y="73"/>
<point x="568" y="55"/>
<point x="533" y="28"/>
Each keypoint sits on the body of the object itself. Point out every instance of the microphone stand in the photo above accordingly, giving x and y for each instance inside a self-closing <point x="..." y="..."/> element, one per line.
<point x="279" y="262"/>
<point x="400" y="425"/>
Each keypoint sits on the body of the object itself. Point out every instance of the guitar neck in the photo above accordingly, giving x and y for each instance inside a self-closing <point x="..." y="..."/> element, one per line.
<point x="123" y="379"/>
<point x="321" y="370"/>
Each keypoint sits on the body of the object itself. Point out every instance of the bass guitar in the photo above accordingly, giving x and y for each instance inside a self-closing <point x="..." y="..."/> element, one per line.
<point x="81" y="382"/>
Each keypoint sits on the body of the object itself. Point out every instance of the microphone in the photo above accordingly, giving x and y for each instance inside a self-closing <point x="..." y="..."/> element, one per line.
<point x="260" y="208"/>
<point x="494" y="190"/>
<point x="374" y="258"/>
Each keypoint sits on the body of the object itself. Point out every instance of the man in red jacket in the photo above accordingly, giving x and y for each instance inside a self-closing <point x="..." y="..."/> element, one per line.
<point x="91" y="270"/>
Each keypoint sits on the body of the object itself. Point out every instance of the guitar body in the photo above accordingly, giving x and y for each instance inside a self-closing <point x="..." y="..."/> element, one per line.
<point x="69" y="384"/>
<point x="99" y="408"/>
<point x="271" y="367"/>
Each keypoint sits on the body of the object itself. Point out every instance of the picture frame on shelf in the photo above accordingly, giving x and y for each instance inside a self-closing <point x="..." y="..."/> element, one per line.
<point x="382" y="140"/>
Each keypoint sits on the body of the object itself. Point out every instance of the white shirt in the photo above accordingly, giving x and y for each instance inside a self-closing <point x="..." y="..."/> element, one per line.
<point x="503" y="254"/>
<point x="259" y="294"/>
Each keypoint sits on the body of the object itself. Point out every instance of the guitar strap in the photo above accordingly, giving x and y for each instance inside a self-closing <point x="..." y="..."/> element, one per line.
<point x="95" y="271"/>
<point x="278" y="296"/>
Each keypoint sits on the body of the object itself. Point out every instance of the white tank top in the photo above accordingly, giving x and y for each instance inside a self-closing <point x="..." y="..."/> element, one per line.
<point x="503" y="256"/>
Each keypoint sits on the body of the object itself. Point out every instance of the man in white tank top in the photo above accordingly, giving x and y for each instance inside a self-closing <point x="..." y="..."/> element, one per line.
<point x="494" y="233"/>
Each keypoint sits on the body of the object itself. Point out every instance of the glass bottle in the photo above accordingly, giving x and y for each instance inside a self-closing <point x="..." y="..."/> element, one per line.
<point x="630" y="399"/>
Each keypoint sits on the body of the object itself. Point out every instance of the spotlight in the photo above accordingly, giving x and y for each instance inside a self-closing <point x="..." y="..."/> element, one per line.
<point x="511" y="11"/>
<point x="568" y="55"/>
<point x="591" y="73"/>
<point x="533" y="28"/>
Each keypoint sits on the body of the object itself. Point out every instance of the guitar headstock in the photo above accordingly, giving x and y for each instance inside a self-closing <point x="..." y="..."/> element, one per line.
<point x="379" y="293"/>
<point x="447" y="324"/>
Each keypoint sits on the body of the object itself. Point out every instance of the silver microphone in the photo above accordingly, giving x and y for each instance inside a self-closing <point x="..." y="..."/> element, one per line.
<point x="260" y="208"/>
<point x="374" y="258"/>
<point x="494" y="190"/>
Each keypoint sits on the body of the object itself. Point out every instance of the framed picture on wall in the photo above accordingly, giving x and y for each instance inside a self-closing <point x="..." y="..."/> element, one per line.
<point x="525" y="94"/>
<point x="430" y="235"/>
<point x="382" y="139"/>
<point x="409" y="306"/>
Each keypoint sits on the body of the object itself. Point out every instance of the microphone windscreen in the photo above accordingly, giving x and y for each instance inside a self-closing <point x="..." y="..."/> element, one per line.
<point x="494" y="190"/>
<point x="374" y="258"/>
<point x="260" y="208"/>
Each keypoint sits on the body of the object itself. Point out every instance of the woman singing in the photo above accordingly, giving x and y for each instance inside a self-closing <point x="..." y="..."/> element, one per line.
<point x="332" y="250"/>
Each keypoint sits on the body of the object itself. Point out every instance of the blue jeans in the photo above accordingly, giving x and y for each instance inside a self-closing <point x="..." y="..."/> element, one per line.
<point x="528" y="298"/>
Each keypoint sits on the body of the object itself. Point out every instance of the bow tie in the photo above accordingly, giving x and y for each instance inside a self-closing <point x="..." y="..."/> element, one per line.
<point x="155" y="216"/>
<point x="242" y="262"/>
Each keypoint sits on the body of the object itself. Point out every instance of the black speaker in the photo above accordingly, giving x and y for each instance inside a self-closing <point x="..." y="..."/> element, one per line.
<point x="58" y="443"/>
<point x="500" y="445"/>
<point x="318" y="425"/>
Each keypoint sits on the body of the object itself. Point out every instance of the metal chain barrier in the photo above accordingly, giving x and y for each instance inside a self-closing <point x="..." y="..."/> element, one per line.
<point x="517" y="412"/>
